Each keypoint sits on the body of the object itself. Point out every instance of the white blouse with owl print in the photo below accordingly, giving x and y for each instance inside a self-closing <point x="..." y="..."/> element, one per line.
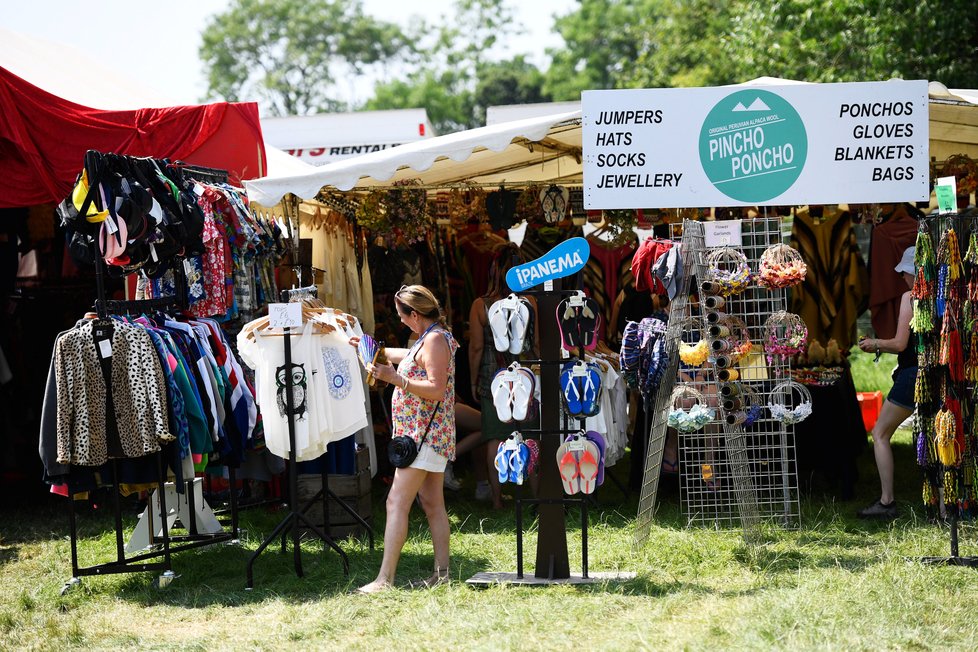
<point x="328" y="395"/>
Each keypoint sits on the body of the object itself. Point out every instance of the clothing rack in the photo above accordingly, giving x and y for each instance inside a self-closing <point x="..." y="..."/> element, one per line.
<point x="167" y="543"/>
<point x="297" y="513"/>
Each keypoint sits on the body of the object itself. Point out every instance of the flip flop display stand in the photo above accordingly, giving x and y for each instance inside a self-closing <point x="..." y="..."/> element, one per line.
<point x="563" y="443"/>
<point x="740" y="467"/>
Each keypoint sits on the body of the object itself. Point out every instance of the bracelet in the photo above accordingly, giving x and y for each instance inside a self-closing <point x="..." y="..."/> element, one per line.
<point x="405" y="385"/>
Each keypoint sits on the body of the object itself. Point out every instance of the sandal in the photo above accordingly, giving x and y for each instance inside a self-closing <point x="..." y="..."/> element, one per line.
<point x="439" y="577"/>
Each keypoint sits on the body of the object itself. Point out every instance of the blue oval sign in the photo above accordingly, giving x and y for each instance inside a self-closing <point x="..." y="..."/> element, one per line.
<point x="567" y="258"/>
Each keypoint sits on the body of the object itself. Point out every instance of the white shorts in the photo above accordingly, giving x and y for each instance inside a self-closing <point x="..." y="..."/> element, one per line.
<point x="429" y="460"/>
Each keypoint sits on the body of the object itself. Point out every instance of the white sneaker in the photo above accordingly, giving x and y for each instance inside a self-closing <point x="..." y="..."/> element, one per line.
<point x="451" y="482"/>
<point x="482" y="493"/>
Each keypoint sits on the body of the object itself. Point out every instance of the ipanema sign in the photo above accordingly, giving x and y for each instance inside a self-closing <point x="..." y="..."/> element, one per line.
<point x="565" y="259"/>
<point x="753" y="145"/>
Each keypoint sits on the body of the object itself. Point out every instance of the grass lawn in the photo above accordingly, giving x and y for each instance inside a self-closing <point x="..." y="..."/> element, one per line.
<point x="835" y="584"/>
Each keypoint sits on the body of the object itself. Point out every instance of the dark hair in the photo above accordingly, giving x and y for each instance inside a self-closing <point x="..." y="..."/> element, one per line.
<point x="504" y="256"/>
<point x="422" y="301"/>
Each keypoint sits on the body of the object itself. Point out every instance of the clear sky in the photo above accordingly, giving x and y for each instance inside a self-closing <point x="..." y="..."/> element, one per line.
<point x="131" y="35"/>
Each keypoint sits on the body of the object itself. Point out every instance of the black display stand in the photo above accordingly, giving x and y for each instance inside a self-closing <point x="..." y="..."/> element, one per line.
<point x="297" y="514"/>
<point x="552" y="563"/>
<point x="954" y="559"/>
<point x="937" y="225"/>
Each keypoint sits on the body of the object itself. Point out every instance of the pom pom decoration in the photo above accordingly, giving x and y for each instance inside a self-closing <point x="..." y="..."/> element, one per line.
<point x="785" y="334"/>
<point x="781" y="399"/>
<point x="694" y="354"/>
<point x="739" y="338"/>
<point x="728" y="269"/>
<point x="693" y="418"/>
<point x="753" y="405"/>
<point x="781" y="267"/>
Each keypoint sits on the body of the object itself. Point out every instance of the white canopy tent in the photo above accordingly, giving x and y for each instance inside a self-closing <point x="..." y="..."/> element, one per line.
<point x="540" y="149"/>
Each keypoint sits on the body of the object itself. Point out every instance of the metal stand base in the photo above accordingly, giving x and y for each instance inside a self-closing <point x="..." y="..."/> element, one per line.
<point x="970" y="562"/>
<point x="485" y="580"/>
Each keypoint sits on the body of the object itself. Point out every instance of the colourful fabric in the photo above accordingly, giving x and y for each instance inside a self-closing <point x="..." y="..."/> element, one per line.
<point x="43" y="139"/>
<point x="411" y="413"/>
<point x="834" y="292"/>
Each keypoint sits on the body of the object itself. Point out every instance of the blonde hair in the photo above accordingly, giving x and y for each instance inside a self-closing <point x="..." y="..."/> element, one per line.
<point x="422" y="301"/>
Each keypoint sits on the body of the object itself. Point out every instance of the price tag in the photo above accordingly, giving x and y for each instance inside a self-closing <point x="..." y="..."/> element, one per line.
<point x="199" y="189"/>
<point x="726" y="233"/>
<point x="548" y="285"/>
<point x="576" y="444"/>
<point x="105" y="348"/>
<point x="110" y="225"/>
<point x="285" y="315"/>
<point x="579" y="370"/>
<point x="946" y="191"/>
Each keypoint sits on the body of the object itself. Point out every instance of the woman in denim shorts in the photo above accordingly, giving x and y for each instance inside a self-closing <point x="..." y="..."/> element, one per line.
<point x="899" y="402"/>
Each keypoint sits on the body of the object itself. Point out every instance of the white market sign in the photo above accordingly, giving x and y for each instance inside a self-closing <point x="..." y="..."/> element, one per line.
<point x="863" y="142"/>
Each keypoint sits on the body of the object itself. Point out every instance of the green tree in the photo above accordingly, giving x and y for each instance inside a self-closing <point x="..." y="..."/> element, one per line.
<point x="455" y="76"/>
<point x="672" y="43"/>
<point x="290" y="54"/>
<point x="515" y="81"/>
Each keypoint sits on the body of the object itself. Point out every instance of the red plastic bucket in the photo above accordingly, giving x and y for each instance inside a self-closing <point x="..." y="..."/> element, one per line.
<point x="870" y="404"/>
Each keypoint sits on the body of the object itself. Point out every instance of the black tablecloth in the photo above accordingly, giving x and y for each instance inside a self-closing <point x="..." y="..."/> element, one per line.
<point x="829" y="441"/>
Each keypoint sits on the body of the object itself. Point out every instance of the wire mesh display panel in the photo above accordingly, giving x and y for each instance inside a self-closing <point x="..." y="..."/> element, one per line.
<point x="733" y="472"/>
<point x="660" y="408"/>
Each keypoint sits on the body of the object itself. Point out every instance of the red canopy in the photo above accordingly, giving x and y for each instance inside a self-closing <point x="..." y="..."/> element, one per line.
<point x="43" y="139"/>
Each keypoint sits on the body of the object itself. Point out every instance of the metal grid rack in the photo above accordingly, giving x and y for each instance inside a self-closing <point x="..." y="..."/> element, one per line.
<point x="729" y="475"/>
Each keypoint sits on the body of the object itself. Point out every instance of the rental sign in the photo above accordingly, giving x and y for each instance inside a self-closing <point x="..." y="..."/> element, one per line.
<point x="756" y="145"/>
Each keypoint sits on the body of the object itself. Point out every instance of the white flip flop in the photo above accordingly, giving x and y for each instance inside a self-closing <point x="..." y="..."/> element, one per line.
<point x="502" y="390"/>
<point x="518" y="322"/>
<point x="499" y="325"/>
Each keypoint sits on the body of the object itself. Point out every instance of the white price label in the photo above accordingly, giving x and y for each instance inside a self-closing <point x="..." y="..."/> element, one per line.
<point x="285" y="315"/>
<point x="722" y="234"/>
<point x="105" y="348"/>
<point x="576" y="445"/>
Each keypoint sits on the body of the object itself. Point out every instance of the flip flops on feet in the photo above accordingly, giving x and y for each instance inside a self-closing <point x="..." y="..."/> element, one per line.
<point x="439" y="577"/>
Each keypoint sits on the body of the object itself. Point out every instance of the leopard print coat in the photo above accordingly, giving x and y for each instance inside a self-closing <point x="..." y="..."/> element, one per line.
<point x="138" y="394"/>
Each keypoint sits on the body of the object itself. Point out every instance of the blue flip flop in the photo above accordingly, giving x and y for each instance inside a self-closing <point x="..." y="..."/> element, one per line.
<point x="570" y="390"/>
<point x="591" y="397"/>
<point x="502" y="462"/>
<point x="517" y="463"/>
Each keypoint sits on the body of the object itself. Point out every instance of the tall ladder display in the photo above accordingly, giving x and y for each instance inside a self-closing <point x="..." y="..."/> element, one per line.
<point x="729" y="473"/>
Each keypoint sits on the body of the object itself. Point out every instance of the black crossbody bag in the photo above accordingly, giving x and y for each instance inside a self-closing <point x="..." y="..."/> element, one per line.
<point x="402" y="449"/>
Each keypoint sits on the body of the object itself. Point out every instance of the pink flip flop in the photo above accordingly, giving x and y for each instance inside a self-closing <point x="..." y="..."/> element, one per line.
<point x="588" y="467"/>
<point x="567" y="463"/>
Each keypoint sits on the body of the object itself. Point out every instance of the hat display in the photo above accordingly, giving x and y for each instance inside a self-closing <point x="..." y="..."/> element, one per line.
<point x="905" y="265"/>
